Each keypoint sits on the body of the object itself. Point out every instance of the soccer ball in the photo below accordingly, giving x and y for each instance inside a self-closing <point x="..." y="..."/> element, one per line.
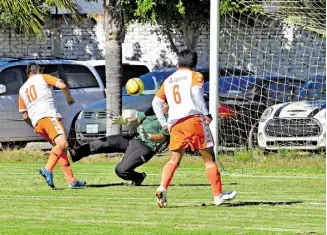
<point x="134" y="86"/>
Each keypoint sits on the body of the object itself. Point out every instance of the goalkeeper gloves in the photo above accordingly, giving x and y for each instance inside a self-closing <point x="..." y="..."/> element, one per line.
<point x="121" y="120"/>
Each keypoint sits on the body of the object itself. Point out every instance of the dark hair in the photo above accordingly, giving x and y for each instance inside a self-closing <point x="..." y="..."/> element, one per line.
<point x="33" y="68"/>
<point x="187" y="58"/>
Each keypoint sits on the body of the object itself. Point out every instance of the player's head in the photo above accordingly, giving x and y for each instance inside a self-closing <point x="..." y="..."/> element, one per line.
<point x="165" y="108"/>
<point x="187" y="58"/>
<point x="33" y="68"/>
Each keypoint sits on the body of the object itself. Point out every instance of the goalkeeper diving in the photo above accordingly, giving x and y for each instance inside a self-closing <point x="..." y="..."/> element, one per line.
<point x="138" y="148"/>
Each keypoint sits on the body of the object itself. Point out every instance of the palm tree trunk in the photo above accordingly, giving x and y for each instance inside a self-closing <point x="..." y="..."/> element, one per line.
<point x="113" y="27"/>
<point x="113" y="56"/>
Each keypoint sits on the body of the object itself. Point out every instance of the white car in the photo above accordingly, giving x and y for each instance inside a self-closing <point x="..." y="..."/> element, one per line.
<point x="83" y="81"/>
<point x="296" y="125"/>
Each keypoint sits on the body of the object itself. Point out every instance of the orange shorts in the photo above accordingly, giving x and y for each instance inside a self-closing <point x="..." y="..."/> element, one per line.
<point x="192" y="132"/>
<point x="49" y="128"/>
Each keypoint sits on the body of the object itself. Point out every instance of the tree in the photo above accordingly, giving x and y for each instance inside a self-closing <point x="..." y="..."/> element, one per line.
<point x="178" y="17"/>
<point x="114" y="36"/>
<point x="28" y="16"/>
<point x="187" y="17"/>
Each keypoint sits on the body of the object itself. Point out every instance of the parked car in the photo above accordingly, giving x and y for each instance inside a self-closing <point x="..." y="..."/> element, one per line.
<point x="91" y="123"/>
<point x="242" y="100"/>
<point x="84" y="82"/>
<point x="300" y="124"/>
<point x="131" y="68"/>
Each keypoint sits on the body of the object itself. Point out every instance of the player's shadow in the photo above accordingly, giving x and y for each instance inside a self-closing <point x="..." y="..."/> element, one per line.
<point x="258" y="203"/>
<point x="104" y="185"/>
<point x="237" y="204"/>
<point x="184" y="185"/>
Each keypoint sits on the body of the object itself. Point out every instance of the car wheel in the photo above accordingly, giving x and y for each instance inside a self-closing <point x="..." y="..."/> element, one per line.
<point x="72" y="140"/>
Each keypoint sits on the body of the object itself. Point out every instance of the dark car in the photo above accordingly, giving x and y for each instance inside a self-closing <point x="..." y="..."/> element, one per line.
<point x="242" y="100"/>
<point x="91" y="123"/>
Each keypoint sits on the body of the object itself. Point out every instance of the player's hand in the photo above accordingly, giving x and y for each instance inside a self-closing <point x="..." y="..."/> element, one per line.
<point x="119" y="120"/>
<point x="165" y="128"/>
<point x="70" y="100"/>
<point x="208" y="119"/>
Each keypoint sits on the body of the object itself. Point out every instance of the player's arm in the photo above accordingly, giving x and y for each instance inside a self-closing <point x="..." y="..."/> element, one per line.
<point x="197" y="93"/>
<point x="27" y="119"/>
<point x="157" y="104"/>
<point x="53" y="81"/>
<point x="22" y="108"/>
<point x="157" y="138"/>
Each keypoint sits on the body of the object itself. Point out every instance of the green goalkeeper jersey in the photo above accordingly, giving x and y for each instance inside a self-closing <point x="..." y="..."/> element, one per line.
<point x="150" y="125"/>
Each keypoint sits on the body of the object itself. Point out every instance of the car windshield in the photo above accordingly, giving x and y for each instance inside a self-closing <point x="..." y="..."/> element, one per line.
<point x="151" y="78"/>
<point x="233" y="84"/>
<point x="312" y="90"/>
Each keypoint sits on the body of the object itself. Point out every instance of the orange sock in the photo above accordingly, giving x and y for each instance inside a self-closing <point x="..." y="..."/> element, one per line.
<point x="65" y="166"/>
<point x="168" y="173"/>
<point x="53" y="159"/>
<point x="213" y="176"/>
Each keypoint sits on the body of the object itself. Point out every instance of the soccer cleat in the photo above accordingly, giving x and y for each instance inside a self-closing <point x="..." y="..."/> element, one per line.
<point x="48" y="176"/>
<point x="161" y="197"/>
<point x="223" y="197"/>
<point x="77" y="184"/>
<point x="139" y="182"/>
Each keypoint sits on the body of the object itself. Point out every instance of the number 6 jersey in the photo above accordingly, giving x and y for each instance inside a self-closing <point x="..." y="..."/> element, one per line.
<point x="36" y="97"/>
<point x="183" y="91"/>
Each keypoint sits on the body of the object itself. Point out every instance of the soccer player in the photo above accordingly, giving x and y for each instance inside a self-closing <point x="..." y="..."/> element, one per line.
<point x="39" y="110"/>
<point x="188" y="124"/>
<point x="138" y="148"/>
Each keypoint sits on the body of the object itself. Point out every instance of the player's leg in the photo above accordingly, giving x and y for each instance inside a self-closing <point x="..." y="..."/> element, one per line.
<point x="136" y="155"/>
<point x="200" y="138"/>
<point x="41" y="128"/>
<point x="212" y="172"/>
<point x="176" y="149"/>
<point x="108" y="144"/>
<point x="56" y="132"/>
<point x="213" y="175"/>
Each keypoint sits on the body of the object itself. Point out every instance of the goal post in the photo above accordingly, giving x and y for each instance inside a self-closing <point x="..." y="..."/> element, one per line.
<point x="274" y="47"/>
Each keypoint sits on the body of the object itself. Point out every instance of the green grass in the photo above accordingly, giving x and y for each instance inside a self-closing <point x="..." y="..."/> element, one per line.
<point x="277" y="194"/>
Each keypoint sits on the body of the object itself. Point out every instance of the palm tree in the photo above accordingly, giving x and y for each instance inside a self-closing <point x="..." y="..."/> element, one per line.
<point x="114" y="35"/>
<point x="28" y="16"/>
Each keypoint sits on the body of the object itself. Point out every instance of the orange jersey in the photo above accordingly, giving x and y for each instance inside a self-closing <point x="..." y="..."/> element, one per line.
<point x="177" y="89"/>
<point x="36" y="97"/>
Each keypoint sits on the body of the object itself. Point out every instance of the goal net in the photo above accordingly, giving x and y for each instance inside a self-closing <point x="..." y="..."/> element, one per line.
<point x="282" y="44"/>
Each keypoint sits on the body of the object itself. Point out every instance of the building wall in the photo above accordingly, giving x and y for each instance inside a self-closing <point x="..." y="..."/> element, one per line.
<point x="264" y="48"/>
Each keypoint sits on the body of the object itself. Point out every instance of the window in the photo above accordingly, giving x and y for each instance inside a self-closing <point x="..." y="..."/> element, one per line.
<point x="12" y="78"/>
<point x="133" y="71"/>
<point x="78" y="76"/>
<point x="102" y="73"/>
<point x="129" y="71"/>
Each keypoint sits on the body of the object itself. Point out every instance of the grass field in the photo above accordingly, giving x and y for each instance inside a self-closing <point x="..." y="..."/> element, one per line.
<point x="277" y="194"/>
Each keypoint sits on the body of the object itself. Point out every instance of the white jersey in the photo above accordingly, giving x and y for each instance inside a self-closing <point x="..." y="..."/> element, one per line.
<point x="36" y="97"/>
<point x="183" y="91"/>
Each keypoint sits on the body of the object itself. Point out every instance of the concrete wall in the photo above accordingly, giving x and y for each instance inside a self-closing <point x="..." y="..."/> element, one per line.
<point x="268" y="47"/>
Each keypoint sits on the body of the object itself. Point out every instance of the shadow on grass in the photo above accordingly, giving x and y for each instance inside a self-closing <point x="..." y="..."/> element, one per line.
<point x="238" y="204"/>
<point x="104" y="185"/>
<point x="146" y="185"/>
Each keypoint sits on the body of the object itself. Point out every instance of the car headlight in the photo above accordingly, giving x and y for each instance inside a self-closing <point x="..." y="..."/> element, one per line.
<point x="266" y="114"/>
<point x="80" y="115"/>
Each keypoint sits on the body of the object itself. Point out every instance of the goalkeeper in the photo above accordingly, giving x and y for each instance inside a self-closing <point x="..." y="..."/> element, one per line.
<point x="138" y="148"/>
